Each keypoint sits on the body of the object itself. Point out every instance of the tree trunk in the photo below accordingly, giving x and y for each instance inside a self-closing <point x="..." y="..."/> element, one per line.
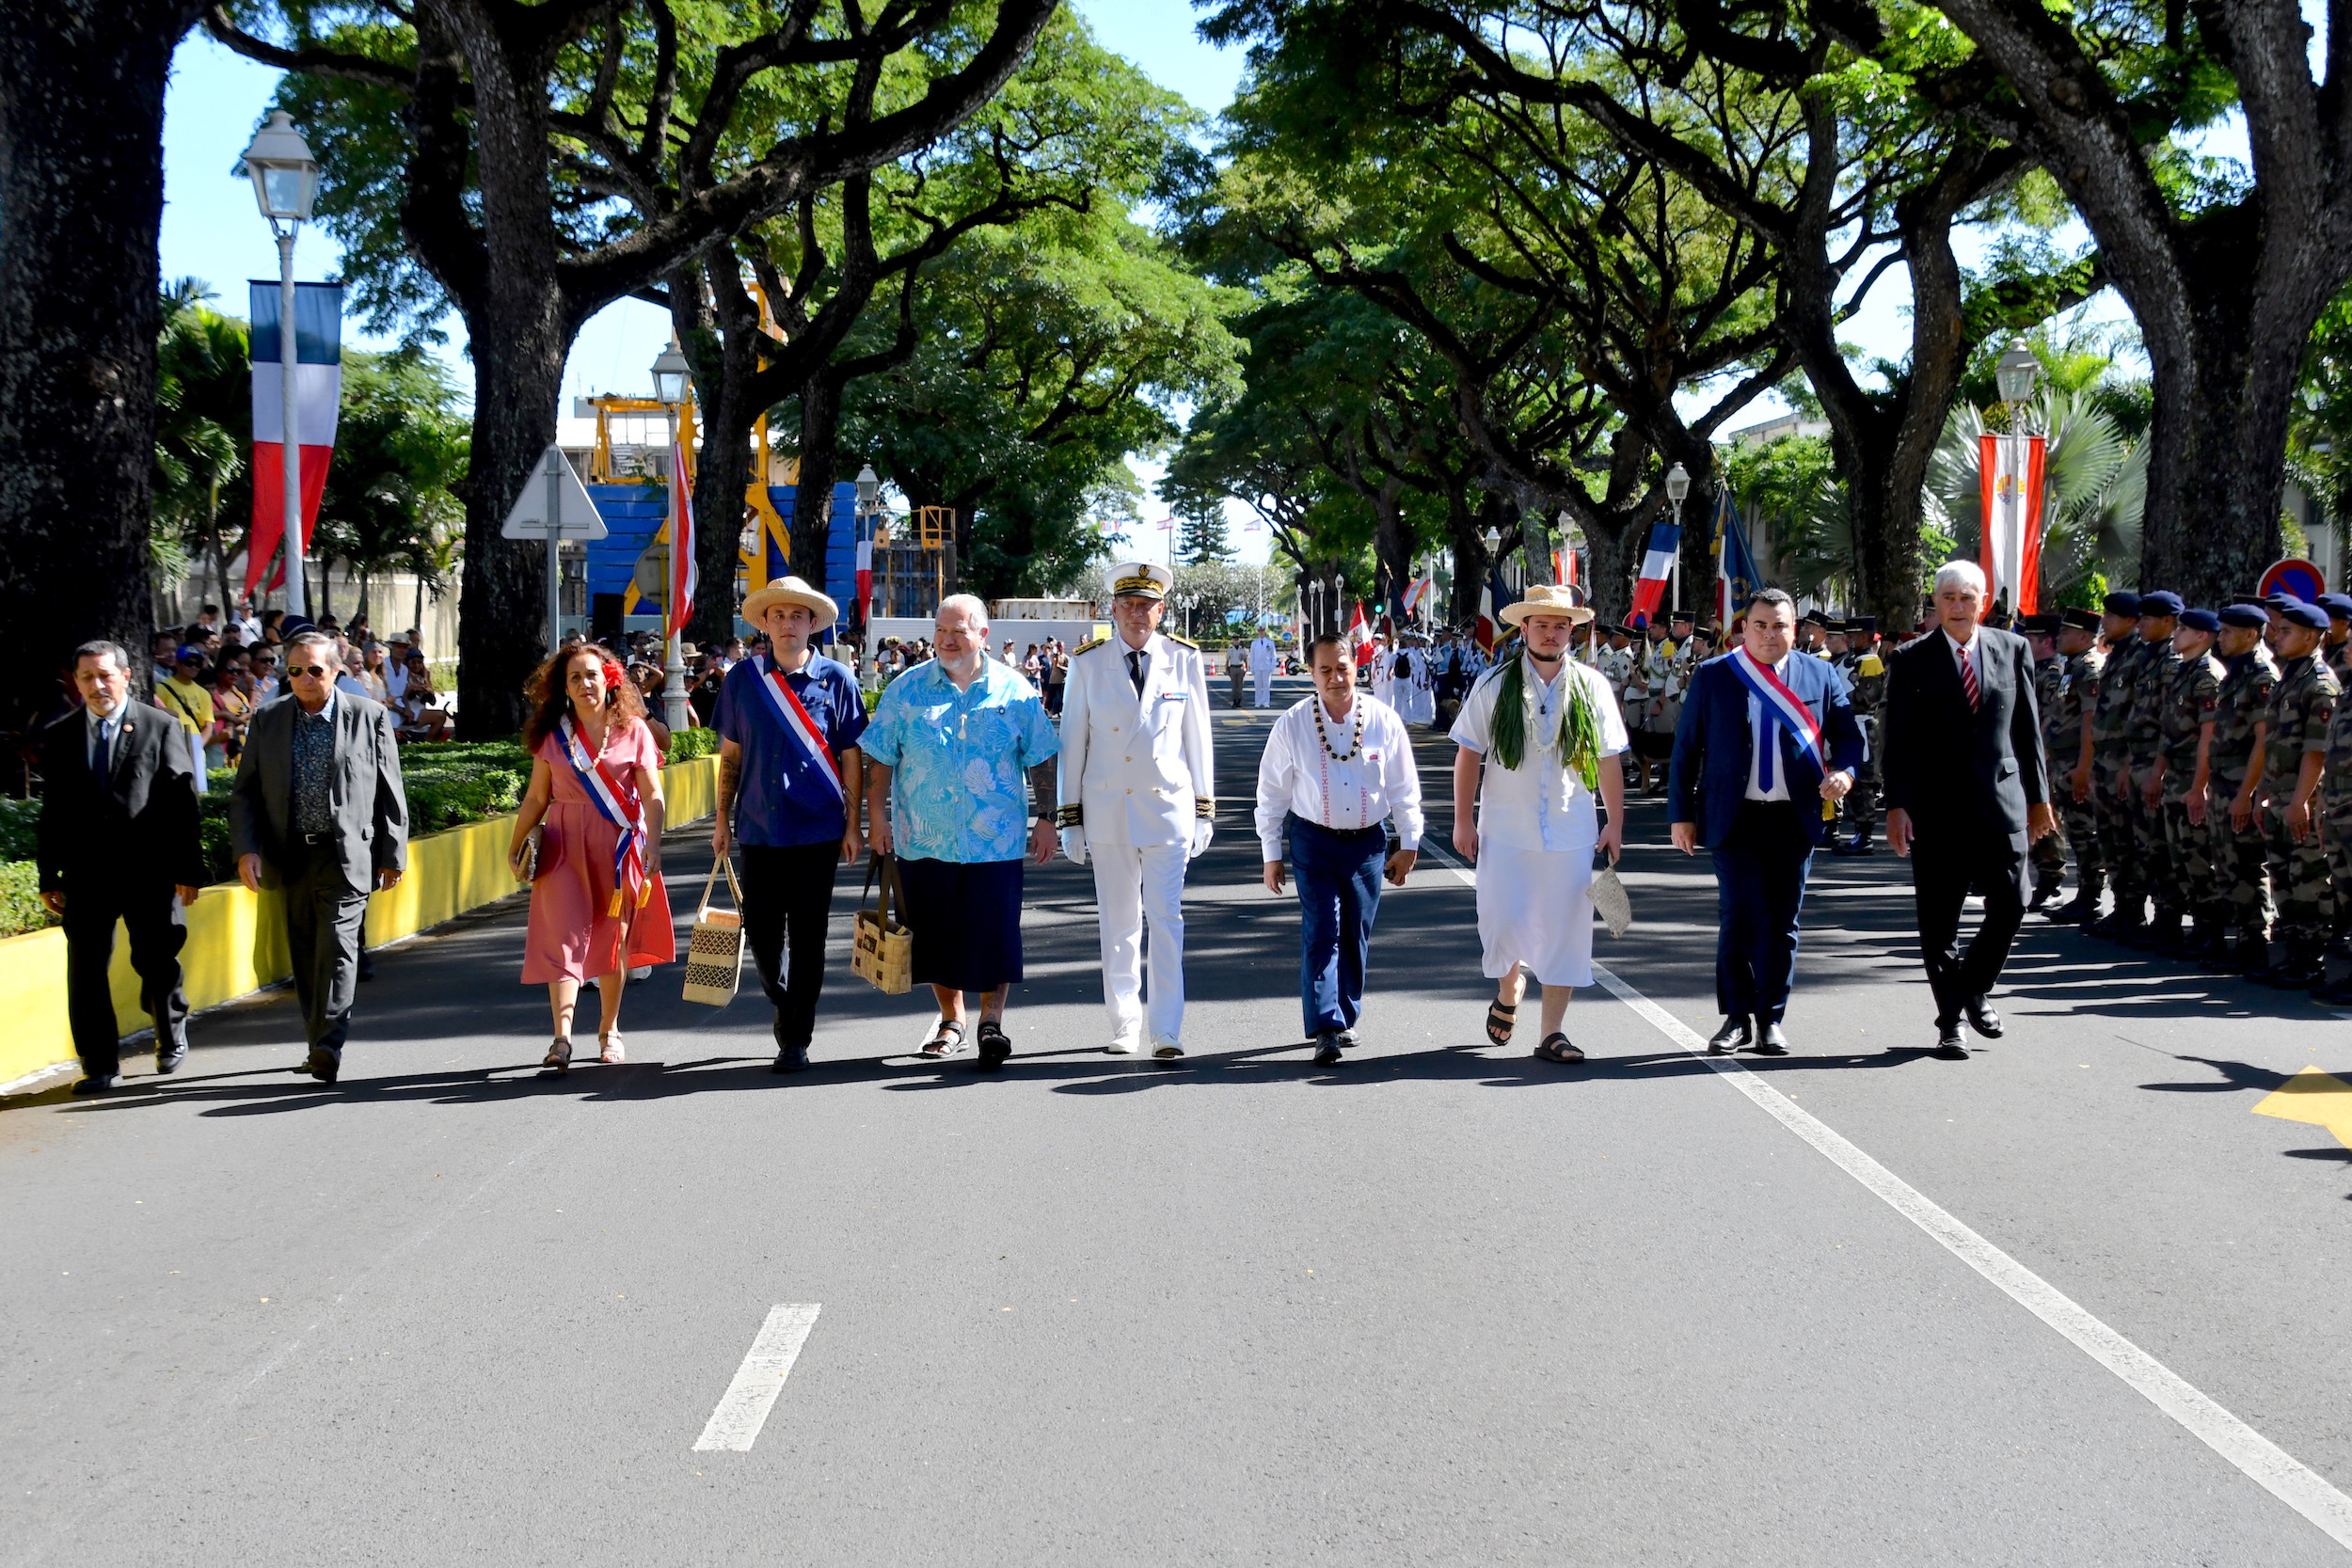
<point x="1470" y="560"/>
<point x="718" y="328"/>
<point x="812" y="498"/>
<point x="81" y="202"/>
<point x="503" y="634"/>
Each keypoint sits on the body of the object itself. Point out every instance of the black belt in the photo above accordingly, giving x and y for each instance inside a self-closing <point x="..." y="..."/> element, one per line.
<point x="327" y="837"/>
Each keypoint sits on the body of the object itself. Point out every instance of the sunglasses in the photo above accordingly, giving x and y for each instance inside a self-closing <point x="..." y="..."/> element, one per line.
<point x="314" y="671"/>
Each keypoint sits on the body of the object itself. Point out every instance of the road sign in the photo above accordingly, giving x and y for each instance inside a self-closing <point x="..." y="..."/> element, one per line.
<point x="553" y="487"/>
<point x="653" y="571"/>
<point x="2299" y="577"/>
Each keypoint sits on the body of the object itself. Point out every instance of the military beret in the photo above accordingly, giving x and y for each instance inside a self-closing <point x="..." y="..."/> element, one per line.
<point x="2245" y="615"/>
<point x="2079" y="618"/>
<point x="2279" y="601"/>
<point x="2162" y="602"/>
<point x="2121" y="604"/>
<point x="2301" y="614"/>
<point x="2200" y="620"/>
<point x="2338" y="606"/>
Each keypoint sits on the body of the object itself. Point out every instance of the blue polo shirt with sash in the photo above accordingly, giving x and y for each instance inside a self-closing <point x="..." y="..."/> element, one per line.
<point x="784" y="798"/>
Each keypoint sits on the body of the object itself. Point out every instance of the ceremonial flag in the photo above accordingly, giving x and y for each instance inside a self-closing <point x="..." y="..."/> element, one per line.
<point x="1492" y="598"/>
<point x="1414" y="591"/>
<point x="2009" y="479"/>
<point x="1359" y="630"/>
<point x="1658" y="567"/>
<point x="318" y="397"/>
<point x="684" y="575"/>
<point x="1735" y="574"/>
<point x="864" y="577"/>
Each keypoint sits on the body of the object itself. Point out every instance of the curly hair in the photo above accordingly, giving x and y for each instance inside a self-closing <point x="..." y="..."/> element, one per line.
<point x="549" y="701"/>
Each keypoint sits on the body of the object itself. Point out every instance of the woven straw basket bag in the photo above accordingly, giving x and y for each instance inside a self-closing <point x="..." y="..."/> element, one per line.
<point x="882" y="951"/>
<point x="714" y="955"/>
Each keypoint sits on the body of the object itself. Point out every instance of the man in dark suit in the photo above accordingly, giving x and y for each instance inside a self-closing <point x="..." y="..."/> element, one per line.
<point x="1967" y="791"/>
<point x="320" y="812"/>
<point x="118" y="841"/>
<point x="1766" y="747"/>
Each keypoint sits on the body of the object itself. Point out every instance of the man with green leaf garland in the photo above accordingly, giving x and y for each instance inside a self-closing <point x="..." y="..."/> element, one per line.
<point x="1539" y="739"/>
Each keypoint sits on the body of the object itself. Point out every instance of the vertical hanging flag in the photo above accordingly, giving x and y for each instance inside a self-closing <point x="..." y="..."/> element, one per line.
<point x="2008" y="502"/>
<point x="1488" y="631"/>
<point x="1736" y="573"/>
<point x="866" y="573"/>
<point x="684" y="574"/>
<point x="1358" y="629"/>
<point x="318" y="396"/>
<point x="1658" y="565"/>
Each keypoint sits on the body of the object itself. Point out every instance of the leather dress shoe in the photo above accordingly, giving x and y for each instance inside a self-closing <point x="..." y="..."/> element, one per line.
<point x="322" y="1064"/>
<point x="98" y="1084"/>
<point x="1736" y="1035"/>
<point x="1770" y="1042"/>
<point x="791" y="1058"/>
<point x="1327" y="1049"/>
<point x="1982" y="1017"/>
<point x="170" y="1054"/>
<point x="1948" y="1044"/>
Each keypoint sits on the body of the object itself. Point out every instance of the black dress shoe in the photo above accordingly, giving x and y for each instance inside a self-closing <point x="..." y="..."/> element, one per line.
<point x="99" y="1084"/>
<point x="791" y="1058"/>
<point x="1948" y="1044"/>
<point x="1982" y="1017"/>
<point x="1327" y="1049"/>
<point x="1770" y="1042"/>
<point x="1736" y="1035"/>
<point x="170" y="1054"/>
<point x="322" y="1064"/>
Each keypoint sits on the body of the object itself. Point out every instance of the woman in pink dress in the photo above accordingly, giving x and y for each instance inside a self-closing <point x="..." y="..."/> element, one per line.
<point x="598" y="906"/>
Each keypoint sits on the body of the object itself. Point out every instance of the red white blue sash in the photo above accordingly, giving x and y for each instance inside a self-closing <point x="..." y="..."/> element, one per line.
<point x="798" y="724"/>
<point x="617" y="800"/>
<point x="1781" y="706"/>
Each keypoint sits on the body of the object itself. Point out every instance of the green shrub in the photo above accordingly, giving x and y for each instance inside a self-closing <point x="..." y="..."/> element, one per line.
<point x="21" y="909"/>
<point x="687" y="744"/>
<point x="19" y="825"/>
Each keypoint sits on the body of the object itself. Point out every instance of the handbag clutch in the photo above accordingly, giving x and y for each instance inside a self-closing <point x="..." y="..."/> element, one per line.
<point x="529" y="863"/>
<point x="714" y="954"/>
<point x="1609" y="900"/>
<point x="882" y="952"/>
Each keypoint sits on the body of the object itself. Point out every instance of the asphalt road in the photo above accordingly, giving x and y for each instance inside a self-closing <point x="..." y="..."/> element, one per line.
<point x="1444" y="1304"/>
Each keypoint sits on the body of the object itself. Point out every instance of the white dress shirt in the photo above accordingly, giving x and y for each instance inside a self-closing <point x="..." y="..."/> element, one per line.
<point x="1759" y="736"/>
<point x="1539" y="805"/>
<point x="1368" y="781"/>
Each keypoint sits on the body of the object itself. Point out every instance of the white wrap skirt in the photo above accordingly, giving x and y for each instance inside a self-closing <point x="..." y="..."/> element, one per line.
<point x="1535" y="907"/>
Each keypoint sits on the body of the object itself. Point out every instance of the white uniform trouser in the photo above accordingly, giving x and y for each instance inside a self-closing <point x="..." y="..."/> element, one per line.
<point x="1130" y="885"/>
<point x="1265" y="687"/>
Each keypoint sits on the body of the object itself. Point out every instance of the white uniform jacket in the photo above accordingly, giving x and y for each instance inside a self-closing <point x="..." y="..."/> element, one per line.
<point x="1135" y="770"/>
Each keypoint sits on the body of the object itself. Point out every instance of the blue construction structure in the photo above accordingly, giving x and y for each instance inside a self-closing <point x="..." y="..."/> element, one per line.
<point x="634" y="514"/>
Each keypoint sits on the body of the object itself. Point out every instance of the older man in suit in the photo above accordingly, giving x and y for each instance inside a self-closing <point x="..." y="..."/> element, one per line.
<point x="1766" y="746"/>
<point x="118" y="841"/>
<point x="1967" y="791"/>
<point x="320" y="814"/>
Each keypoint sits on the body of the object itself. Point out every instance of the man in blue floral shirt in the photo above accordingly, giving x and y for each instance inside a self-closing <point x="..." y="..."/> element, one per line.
<point x="945" y="751"/>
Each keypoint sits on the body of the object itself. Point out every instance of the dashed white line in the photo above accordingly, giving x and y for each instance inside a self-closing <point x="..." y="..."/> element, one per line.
<point x="2269" y="1465"/>
<point x="743" y="1410"/>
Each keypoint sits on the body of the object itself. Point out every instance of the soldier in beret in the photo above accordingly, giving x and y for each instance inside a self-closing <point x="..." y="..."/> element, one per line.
<point x="2302" y="709"/>
<point x="2111" y="765"/>
<point x="2192" y="702"/>
<point x="2336" y="652"/>
<point x="2070" y="737"/>
<point x="2241" y="726"/>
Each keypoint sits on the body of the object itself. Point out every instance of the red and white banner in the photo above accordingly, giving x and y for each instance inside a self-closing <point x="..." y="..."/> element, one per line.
<point x="2009" y="503"/>
<point x="865" y="579"/>
<point x="318" y="398"/>
<point x="1358" y="629"/>
<point x="683" y="573"/>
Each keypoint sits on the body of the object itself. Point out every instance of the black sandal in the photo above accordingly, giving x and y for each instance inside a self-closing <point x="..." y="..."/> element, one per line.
<point x="995" y="1045"/>
<point x="1565" y="1051"/>
<point x="558" y="1060"/>
<point x="939" y="1046"/>
<point x="1499" y="1022"/>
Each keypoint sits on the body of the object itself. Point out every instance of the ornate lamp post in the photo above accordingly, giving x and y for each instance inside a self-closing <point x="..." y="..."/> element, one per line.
<point x="1678" y="491"/>
<point x="669" y="389"/>
<point x="285" y="183"/>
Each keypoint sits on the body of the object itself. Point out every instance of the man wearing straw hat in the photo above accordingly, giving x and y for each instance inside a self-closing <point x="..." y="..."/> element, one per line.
<point x="790" y="779"/>
<point x="1136" y="799"/>
<point x="1539" y="739"/>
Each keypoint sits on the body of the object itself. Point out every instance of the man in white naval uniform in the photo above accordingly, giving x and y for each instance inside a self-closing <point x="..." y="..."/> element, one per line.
<point x="1137" y="797"/>
<point x="1261" y="669"/>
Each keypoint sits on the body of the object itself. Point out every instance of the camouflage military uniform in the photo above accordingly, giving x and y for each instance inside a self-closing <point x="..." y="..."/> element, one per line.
<point x="2243" y="702"/>
<point x="2049" y="851"/>
<point x="2062" y="729"/>
<point x="2335" y="805"/>
<point x="2302" y="713"/>
<point x="2192" y="701"/>
<point x="2110" y="763"/>
<point x="2145" y="739"/>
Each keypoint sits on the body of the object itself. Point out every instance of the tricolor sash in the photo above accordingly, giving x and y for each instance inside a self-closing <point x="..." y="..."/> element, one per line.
<point x="616" y="802"/>
<point x="1782" y="708"/>
<point x="798" y="724"/>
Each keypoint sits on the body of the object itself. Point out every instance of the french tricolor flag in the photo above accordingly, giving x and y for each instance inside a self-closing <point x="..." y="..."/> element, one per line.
<point x="318" y="396"/>
<point x="1658" y="565"/>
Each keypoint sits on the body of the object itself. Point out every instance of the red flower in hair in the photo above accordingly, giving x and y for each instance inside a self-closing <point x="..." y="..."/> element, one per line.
<point x="614" y="676"/>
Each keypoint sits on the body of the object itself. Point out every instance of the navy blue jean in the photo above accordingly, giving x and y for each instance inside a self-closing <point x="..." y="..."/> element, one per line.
<point x="1339" y="894"/>
<point x="1760" y="870"/>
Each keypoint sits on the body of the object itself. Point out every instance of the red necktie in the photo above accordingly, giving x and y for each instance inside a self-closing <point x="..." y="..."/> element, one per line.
<point x="1968" y="677"/>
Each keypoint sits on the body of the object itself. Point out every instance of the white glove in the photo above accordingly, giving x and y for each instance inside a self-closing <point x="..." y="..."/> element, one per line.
<point x="1074" y="845"/>
<point x="1200" y="835"/>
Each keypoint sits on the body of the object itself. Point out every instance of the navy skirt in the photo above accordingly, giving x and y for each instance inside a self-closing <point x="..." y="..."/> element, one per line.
<point x="966" y="920"/>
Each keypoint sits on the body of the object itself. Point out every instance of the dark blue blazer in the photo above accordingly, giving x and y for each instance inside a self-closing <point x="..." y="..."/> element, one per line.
<point x="1708" y="777"/>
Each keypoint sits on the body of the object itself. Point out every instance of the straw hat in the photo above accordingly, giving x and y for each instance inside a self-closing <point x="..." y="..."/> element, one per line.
<point x="789" y="591"/>
<point x="1547" y="598"/>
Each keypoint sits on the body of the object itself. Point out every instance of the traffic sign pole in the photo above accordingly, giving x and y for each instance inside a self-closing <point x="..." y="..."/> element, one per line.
<point x="555" y="548"/>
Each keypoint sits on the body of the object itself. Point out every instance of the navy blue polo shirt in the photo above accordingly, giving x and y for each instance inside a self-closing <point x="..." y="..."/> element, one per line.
<point x="784" y="796"/>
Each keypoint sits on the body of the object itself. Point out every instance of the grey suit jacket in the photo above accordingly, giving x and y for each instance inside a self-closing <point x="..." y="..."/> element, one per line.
<point x="370" y="808"/>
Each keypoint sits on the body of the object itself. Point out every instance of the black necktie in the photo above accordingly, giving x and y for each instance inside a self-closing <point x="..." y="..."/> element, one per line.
<point x="99" y="757"/>
<point x="1134" y="669"/>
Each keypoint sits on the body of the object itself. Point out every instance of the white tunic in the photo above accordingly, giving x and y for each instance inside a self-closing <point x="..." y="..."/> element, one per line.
<point x="1139" y="769"/>
<point x="1377" y="780"/>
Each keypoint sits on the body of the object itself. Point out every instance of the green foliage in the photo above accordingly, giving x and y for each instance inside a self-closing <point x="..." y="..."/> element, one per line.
<point x="687" y="744"/>
<point x="21" y="909"/>
<point x="203" y="429"/>
<point x="400" y="445"/>
<point x="19" y="825"/>
<point x="2095" y="486"/>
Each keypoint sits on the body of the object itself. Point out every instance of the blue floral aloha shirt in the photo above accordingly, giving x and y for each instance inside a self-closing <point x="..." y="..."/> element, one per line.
<point x="957" y="791"/>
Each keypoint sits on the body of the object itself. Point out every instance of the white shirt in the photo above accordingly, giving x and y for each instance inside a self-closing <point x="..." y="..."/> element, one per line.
<point x="395" y="679"/>
<point x="1758" y="739"/>
<point x="1539" y="805"/>
<point x="1373" y="779"/>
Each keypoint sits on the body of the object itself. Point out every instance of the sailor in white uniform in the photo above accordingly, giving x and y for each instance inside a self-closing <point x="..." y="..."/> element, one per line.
<point x="1261" y="669"/>
<point x="1415" y="699"/>
<point x="1137" y="798"/>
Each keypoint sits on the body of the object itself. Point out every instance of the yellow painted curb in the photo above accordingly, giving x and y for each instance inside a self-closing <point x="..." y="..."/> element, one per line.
<point x="237" y="940"/>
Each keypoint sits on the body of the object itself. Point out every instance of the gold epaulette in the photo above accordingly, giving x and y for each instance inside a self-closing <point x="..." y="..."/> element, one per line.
<point x="1089" y="647"/>
<point x="1204" y="806"/>
<point x="1070" y="816"/>
<point x="1184" y="641"/>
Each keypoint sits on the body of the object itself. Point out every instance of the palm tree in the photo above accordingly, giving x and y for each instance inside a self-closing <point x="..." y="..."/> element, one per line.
<point x="203" y="427"/>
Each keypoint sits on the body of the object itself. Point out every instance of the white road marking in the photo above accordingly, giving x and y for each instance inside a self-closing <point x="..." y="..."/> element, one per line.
<point x="2270" y="1467"/>
<point x="734" y="1426"/>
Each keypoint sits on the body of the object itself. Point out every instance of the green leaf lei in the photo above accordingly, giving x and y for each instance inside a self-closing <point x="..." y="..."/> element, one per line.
<point x="1515" y="715"/>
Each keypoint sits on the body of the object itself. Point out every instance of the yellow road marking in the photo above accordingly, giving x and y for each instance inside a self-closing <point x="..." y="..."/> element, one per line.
<point x="2319" y="1098"/>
